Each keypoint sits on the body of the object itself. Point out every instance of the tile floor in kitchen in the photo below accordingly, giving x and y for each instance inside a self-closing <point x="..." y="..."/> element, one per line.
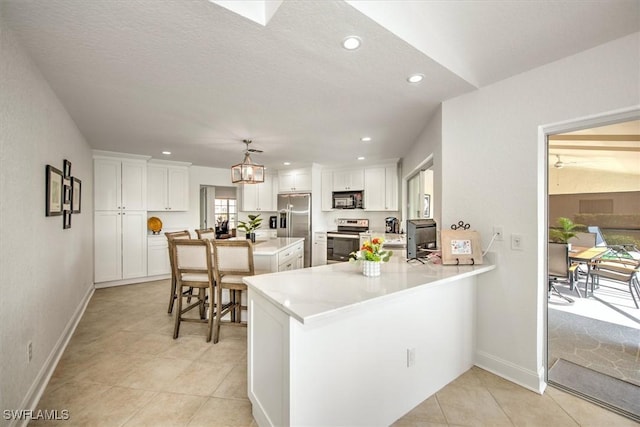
<point x="122" y="368"/>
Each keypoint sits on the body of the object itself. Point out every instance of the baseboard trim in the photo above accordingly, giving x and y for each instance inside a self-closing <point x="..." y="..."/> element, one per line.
<point x="38" y="386"/>
<point x="133" y="281"/>
<point x="528" y="379"/>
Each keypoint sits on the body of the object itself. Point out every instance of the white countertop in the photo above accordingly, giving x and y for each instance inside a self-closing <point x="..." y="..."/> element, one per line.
<point x="316" y="293"/>
<point x="272" y="246"/>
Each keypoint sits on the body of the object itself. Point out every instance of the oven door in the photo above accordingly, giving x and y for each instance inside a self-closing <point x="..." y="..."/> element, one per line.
<point x="339" y="246"/>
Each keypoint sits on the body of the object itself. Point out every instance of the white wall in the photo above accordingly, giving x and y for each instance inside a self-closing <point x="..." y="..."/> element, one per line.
<point x="493" y="164"/>
<point x="46" y="272"/>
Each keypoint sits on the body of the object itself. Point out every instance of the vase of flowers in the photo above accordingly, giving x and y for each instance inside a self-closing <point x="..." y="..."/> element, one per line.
<point x="372" y="256"/>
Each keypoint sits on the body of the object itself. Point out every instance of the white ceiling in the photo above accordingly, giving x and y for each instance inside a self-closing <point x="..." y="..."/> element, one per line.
<point x="194" y="78"/>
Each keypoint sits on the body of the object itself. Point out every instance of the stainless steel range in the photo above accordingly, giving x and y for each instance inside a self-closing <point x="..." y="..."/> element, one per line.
<point x="345" y="239"/>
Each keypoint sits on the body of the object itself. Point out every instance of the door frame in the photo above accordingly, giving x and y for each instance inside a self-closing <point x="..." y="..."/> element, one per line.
<point x="596" y="120"/>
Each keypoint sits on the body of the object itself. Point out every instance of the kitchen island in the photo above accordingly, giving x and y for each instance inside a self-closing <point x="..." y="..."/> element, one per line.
<point x="278" y="254"/>
<point x="328" y="346"/>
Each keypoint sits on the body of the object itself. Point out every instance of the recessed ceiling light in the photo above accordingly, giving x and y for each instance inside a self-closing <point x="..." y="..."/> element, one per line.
<point x="360" y="158"/>
<point x="415" y="78"/>
<point x="351" y="43"/>
<point x="365" y="139"/>
<point x="286" y="163"/>
<point x="166" y="153"/>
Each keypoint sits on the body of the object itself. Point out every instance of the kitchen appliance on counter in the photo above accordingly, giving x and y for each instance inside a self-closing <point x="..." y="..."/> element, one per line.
<point x="347" y="200"/>
<point x="294" y="219"/>
<point x="273" y="222"/>
<point x="391" y="225"/>
<point x="421" y="237"/>
<point x="346" y="239"/>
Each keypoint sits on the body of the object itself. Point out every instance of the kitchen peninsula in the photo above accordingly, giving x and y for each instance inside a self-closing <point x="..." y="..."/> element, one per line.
<point x="278" y="254"/>
<point x="329" y="346"/>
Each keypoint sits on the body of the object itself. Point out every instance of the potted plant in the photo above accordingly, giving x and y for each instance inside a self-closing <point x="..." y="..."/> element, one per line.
<point x="250" y="226"/>
<point x="565" y="230"/>
<point x="372" y="255"/>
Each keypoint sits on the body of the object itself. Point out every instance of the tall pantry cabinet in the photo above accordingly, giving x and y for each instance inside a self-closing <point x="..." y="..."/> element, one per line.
<point x="120" y="218"/>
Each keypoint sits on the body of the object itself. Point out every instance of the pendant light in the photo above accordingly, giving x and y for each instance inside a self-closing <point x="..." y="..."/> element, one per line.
<point x="247" y="172"/>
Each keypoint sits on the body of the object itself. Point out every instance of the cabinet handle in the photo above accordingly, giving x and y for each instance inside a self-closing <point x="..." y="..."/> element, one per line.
<point x="123" y="213"/>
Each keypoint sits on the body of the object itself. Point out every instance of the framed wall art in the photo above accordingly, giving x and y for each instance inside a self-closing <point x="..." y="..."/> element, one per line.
<point x="54" y="191"/>
<point x="76" y="195"/>
<point x="461" y="247"/>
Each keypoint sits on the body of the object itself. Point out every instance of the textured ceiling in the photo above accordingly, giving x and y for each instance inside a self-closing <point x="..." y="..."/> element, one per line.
<point x="195" y="78"/>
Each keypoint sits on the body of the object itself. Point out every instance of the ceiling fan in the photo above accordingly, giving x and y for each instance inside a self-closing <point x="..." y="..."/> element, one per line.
<point x="559" y="164"/>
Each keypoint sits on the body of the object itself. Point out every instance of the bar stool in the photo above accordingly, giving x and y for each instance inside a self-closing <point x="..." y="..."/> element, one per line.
<point x="206" y="233"/>
<point x="233" y="260"/>
<point x="171" y="236"/>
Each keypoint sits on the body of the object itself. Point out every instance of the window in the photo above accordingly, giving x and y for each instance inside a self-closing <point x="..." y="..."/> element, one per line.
<point x="226" y="210"/>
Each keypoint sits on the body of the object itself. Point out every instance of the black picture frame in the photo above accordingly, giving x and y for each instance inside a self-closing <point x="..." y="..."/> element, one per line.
<point x="66" y="219"/>
<point x="66" y="168"/>
<point x="76" y="195"/>
<point x="54" y="191"/>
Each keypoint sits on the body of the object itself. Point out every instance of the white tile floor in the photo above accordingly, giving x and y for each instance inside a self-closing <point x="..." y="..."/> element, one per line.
<point x="122" y="368"/>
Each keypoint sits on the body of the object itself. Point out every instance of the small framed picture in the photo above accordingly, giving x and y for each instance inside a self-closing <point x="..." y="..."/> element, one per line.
<point x="66" y="219"/>
<point x="66" y="168"/>
<point x="54" y="190"/>
<point x="427" y="206"/>
<point x="66" y="194"/>
<point x="76" y="195"/>
<point x="461" y="247"/>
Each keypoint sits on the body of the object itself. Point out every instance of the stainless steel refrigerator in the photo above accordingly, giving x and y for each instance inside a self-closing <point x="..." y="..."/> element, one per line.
<point x="294" y="219"/>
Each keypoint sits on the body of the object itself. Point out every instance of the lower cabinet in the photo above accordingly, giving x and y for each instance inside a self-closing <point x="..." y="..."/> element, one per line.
<point x="158" y="256"/>
<point x="120" y="241"/>
<point x="289" y="258"/>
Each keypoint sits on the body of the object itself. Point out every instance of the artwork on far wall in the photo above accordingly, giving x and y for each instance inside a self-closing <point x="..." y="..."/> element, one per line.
<point x="63" y="193"/>
<point x="427" y="206"/>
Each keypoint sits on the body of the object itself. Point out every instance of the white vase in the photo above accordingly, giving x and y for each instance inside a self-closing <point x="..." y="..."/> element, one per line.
<point x="371" y="268"/>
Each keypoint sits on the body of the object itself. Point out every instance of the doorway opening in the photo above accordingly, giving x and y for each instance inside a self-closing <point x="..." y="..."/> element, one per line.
<point x="420" y="189"/>
<point x="593" y="335"/>
<point x="218" y="209"/>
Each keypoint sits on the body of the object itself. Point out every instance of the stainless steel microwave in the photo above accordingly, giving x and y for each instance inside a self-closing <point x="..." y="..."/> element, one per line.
<point x="347" y="199"/>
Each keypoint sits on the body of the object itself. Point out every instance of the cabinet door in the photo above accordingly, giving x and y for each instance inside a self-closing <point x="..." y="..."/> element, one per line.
<point x="250" y="197"/>
<point x="178" y="189"/>
<point x="326" y="189"/>
<point x="302" y="181"/>
<point x="341" y="181"/>
<point x="300" y="256"/>
<point x="106" y="184"/>
<point x="157" y="179"/>
<point x="266" y="200"/>
<point x="356" y="180"/>
<point x="108" y="246"/>
<point x="134" y="185"/>
<point x="391" y="188"/>
<point x="134" y="244"/>
<point x="286" y="181"/>
<point x="374" y="191"/>
<point x="158" y="257"/>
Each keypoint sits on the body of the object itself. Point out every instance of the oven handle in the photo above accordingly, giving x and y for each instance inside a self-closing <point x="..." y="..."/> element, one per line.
<point x="343" y="236"/>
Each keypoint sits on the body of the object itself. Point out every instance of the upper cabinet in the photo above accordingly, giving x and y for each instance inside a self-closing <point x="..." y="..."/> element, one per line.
<point x="120" y="184"/>
<point x="167" y="187"/>
<point x="381" y="188"/>
<point x="295" y="180"/>
<point x="348" y="180"/>
<point x="259" y="197"/>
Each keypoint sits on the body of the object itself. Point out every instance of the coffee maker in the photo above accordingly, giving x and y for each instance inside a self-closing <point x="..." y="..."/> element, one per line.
<point x="392" y="225"/>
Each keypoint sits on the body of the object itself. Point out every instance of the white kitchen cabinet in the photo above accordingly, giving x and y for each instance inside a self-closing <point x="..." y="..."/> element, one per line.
<point x="381" y="188"/>
<point x="158" y="256"/>
<point x="168" y="187"/>
<point x="295" y="180"/>
<point x="348" y="180"/>
<point x="319" y="253"/>
<point x="120" y="218"/>
<point x="120" y="184"/>
<point x="120" y="245"/>
<point x="326" y="191"/>
<point x="259" y="197"/>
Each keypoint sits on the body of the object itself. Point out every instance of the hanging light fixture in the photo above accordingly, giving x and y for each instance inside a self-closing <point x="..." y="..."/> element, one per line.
<point x="247" y="172"/>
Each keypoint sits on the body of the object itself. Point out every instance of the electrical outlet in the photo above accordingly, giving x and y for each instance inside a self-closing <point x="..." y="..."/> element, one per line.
<point x="29" y="351"/>
<point x="411" y="357"/>
<point x="497" y="230"/>
<point x="516" y="242"/>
